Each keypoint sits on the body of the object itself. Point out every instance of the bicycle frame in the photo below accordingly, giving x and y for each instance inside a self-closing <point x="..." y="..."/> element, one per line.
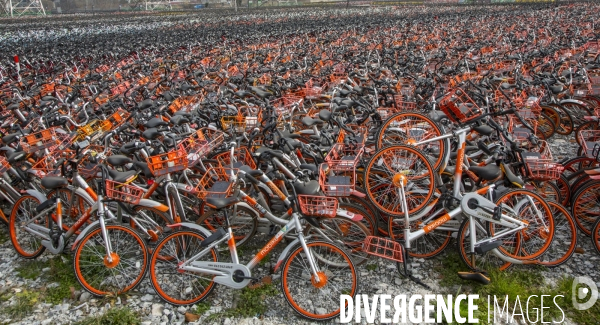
<point x="224" y="272"/>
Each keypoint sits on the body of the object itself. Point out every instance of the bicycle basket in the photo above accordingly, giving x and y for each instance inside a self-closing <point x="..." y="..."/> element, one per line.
<point x="39" y="140"/>
<point x="383" y="247"/>
<point x="4" y="165"/>
<point x="459" y="107"/>
<point x="123" y="192"/>
<point x="318" y="206"/>
<point x="170" y="162"/>
<point x="215" y="183"/>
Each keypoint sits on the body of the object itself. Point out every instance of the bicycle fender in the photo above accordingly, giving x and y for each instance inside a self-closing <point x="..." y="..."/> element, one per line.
<point x="38" y="195"/>
<point x="349" y="215"/>
<point x="285" y="253"/>
<point x="193" y="226"/>
<point x="84" y="194"/>
<point x="84" y="233"/>
<point x="153" y="204"/>
<point x="246" y="205"/>
<point x="575" y="101"/>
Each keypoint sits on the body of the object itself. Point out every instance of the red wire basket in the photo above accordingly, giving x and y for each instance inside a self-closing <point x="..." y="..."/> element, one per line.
<point x="590" y="142"/>
<point x="403" y="105"/>
<point x="344" y="157"/>
<point x="318" y="206"/>
<point x="459" y="107"/>
<point x="285" y="106"/>
<point x="384" y="247"/>
<point x="170" y="162"/>
<point x="4" y="165"/>
<point x="242" y="157"/>
<point x="336" y="182"/>
<point x="201" y="143"/>
<point x="215" y="183"/>
<point x="518" y="131"/>
<point x="539" y="165"/>
<point x="40" y="140"/>
<point x="123" y="192"/>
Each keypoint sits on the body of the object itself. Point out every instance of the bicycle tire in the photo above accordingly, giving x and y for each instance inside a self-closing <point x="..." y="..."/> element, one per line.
<point x="243" y="230"/>
<point x="565" y="241"/>
<point x="389" y="162"/>
<point x="314" y="308"/>
<point x="170" y="258"/>
<point x="91" y="250"/>
<point x="584" y="201"/>
<point x="23" y="211"/>
<point x="485" y="261"/>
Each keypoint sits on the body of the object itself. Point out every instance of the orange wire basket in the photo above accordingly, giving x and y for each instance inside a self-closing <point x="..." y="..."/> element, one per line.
<point x="4" y="165"/>
<point x="336" y="182"/>
<point x="386" y="112"/>
<point x="47" y="165"/>
<point x="344" y="157"/>
<point x="215" y="183"/>
<point x="201" y="143"/>
<point x="115" y="120"/>
<point x="384" y="247"/>
<point x="318" y="206"/>
<point x="539" y="165"/>
<point x="459" y="107"/>
<point x="123" y="192"/>
<point x="170" y="162"/>
<point x="242" y="157"/>
<point x="518" y="131"/>
<point x="285" y="106"/>
<point x="590" y="142"/>
<point x="39" y="140"/>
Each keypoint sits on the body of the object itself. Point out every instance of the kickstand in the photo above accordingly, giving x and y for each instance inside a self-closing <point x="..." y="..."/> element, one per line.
<point x="408" y="274"/>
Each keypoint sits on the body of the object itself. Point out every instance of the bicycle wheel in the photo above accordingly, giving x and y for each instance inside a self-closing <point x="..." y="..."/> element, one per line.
<point x="532" y="208"/>
<point x="368" y="219"/>
<point x="549" y="191"/>
<point x="487" y="260"/>
<point x="565" y="192"/>
<point x="25" y="243"/>
<point x="596" y="236"/>
<point x="565" y="237"/>
<point x="180" y="287"/>
<point x="578" y="112"/>
<point x="587" y="126"/>
<point x="129" y="263"/>
<point x="387" y="167"/>
<point x="426" y="246"/>
<point x="546" y="127"/>
<point x="585" y="206"/>
<point x="72" y="209"/>
<point x="564" y="125"/>
<point x="336" y="273"/>
<point x="348" y="234"/>
<point x="154" y="221"/>
<point x="243" y="223"/>
<point x="407" y="128"/>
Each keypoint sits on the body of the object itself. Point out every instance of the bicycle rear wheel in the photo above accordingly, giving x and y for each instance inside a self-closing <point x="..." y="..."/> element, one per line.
<point x="389" y="166"/>
<point x="565" y="237"/>
<point x="486" y="261"/>
<point x="100" y="276"/>
<point x="25" y="243"/>
<point x="336" y="274"/>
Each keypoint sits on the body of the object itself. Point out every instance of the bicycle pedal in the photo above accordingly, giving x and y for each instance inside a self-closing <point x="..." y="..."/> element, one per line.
<point x="475" y="276"/>
<point x="497" y="213"/>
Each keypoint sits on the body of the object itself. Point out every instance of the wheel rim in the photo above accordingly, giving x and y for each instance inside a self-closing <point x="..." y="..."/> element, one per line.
<point x="26" y="244"/>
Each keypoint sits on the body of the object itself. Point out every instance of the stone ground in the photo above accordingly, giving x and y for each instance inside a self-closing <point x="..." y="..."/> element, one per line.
<point x="382" y="279"/>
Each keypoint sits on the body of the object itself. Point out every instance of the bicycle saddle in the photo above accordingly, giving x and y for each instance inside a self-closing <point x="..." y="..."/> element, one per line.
<point x="121" y="177"/>
<point x="311" y="121"/>
<point x="154" y="122"/>
<point x="179" y="120"/>
<point x="16" y="156"/>
<point x="307" y="188"/>
<point x="489" y="172"/>
<point x="512" y="177"/>
<point x="325" y="115"/>
<point x="118" y="160"/>
<point x="52" y="182"/>
<point x="218" y="203"/>
<point x="437" y="116"/>
<point x="13" y="107"/>
<point x="147" y="103"/>
<point x="151" y="134"/>
<point x="475" y="276"/>
<point x="10" y="138"/>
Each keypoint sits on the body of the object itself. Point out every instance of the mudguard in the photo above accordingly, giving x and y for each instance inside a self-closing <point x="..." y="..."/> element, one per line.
<point x="349" y="215"/>
<point x="575" y="101"/>
<point x="38" y="195"/>
<point x="193" y="226"/>
<point x="153" y="204"/>
<point x="285" y="253"/>
<point x="84" y="232"/>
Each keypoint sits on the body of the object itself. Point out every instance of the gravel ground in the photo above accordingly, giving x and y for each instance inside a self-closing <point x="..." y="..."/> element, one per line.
<point x="383" y="280"/>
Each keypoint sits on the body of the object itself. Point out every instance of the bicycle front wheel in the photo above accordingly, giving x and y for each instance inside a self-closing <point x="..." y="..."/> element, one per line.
<point x="346" y="233"/>
<point x="531" y="208"/>
<point x="386" y="171"/>
<point x="123" y="271"/>
<point x="24" y="211"/>
<point x="336" y="276"/>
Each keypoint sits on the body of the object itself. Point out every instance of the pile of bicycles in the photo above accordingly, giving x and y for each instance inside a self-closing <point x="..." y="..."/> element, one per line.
<point x="347" y="134"/>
